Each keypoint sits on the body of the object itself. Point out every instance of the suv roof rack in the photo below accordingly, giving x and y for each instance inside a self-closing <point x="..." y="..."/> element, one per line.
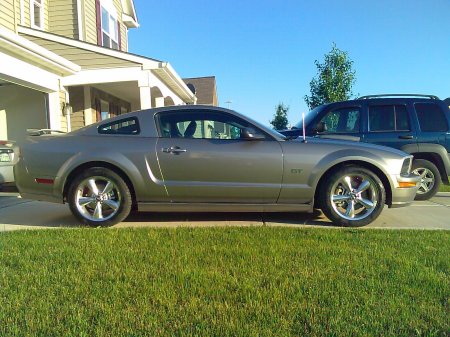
<point x="398" y="95"/>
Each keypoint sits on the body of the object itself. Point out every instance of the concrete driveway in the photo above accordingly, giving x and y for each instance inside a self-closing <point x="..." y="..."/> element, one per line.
<point x="16" y="213"/>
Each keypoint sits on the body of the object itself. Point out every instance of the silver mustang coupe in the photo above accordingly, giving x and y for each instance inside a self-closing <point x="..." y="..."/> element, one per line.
<point x="205" y="159"/>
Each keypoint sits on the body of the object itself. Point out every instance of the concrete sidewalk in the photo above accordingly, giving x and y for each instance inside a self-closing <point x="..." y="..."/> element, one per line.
<point x="16" y="213"/>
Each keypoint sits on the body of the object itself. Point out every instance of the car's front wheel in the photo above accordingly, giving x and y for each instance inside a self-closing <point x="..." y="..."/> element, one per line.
<point x="430" y="178"/>
<point x="352" y="196"/>
<point x="99" y="197"/>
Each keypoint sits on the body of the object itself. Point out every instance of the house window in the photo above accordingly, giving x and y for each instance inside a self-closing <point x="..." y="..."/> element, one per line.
<point x="37" y="13"/>
<point x="109" y="26"/>
<point x="104" y="110"/>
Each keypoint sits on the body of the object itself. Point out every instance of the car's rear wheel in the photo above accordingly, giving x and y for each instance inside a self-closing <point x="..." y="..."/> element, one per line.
<point x="430" y="178"/>
<point x="99" y="197"/>
<point x="352" y="196"/>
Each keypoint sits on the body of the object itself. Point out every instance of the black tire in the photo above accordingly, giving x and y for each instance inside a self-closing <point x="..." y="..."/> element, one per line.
<point x="335" y="184"/>
<point x="105" y="208"/>
<point x="425" y="168"/>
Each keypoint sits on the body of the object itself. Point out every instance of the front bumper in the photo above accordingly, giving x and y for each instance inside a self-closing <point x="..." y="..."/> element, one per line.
<point x="404" y="196"/>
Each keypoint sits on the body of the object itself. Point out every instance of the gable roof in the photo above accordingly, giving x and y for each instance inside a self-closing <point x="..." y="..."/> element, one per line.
<point x="205" y="89"/>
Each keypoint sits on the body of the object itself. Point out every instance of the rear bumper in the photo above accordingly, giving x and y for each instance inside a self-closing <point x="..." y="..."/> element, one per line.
<point x="6" y="173"/>
<point x="404" y="196"/>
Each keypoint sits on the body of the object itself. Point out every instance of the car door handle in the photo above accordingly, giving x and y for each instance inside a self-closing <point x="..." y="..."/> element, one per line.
<point x="173" y="150"/>
<point x="406" y="137"/>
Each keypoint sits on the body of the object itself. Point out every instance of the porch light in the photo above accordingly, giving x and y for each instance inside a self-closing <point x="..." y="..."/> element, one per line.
<point x="66" y="109"/>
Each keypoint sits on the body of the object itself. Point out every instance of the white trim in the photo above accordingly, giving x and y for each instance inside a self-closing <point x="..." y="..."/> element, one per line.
<point x="54" y="111"/>
<point x="129" y="21"/>
<point x="41" y="5"/>
<point x="26" y="49"/>
<point x="22" y="12"/>
<point x="80" y="21"/>
<point x="103" y="76"/>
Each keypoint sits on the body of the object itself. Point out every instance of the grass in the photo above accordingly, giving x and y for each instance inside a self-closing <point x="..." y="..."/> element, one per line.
<point x="444" y="188"/>
<point x="224" y="282"/>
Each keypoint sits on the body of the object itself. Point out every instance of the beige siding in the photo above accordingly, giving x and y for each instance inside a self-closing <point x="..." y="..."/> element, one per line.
<point x="90" y="25"/>
<point x="76" y="96"/>
<point x="63" y="18"/>
<point x="84" y="58"/>
<point x="7" y="14"/>
<point x="26" y="13"/>
<point x="46" y="22"/>
<point x="124" y="37"/>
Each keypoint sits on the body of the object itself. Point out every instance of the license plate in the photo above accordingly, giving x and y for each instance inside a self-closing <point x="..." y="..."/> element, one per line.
<point x="5" y="157"/>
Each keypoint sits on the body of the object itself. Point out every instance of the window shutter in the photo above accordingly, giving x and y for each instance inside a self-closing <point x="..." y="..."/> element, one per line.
<point x="98" y="12"/>
<point x="119" y="35"/>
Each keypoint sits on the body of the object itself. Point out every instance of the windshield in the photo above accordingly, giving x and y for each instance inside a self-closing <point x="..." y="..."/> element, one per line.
<point x="309" y="116"/>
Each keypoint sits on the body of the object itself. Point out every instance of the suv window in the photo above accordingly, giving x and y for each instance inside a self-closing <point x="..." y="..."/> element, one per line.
<point x="431" y="117"/>
<point x="388" y="118"/>
<point x="343" y="120"/>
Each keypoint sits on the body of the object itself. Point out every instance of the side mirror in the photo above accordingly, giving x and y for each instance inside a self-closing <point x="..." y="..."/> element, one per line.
<point x="320" y="127"/>
<point x="250" y="134"/>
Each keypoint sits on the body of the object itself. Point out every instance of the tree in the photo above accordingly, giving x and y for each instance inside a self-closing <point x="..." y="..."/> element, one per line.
<point x="280" y="120"/>
<point x="334" y="80"/>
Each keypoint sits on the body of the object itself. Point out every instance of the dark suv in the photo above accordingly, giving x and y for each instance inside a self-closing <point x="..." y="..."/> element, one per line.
<point x="416" y="124"/>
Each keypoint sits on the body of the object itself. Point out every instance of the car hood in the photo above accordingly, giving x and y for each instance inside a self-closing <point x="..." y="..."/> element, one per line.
<point x="352" y="144"/>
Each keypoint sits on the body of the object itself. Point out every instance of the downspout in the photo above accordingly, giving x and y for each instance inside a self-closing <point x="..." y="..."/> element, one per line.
<point x="22" y="13"/>
<point x="80" y="20"/>
<point x="15" y="16"/>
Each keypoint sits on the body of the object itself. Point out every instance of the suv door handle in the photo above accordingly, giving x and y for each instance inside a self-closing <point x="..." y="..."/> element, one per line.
<point x="406" y="137"/>
<point x="173" y="150"/>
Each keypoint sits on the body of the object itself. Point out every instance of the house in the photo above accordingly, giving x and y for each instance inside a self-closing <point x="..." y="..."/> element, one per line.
<point x="65" y="64"/>
<point x="204" y="88"/>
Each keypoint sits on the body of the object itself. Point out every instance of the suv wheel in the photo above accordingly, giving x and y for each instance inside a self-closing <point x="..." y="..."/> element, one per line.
<point x="352" y="196"/>
<point x="430" y="178"/>
<point x="99" y="197"/>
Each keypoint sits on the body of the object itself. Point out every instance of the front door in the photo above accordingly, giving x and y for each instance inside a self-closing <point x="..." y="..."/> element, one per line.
<point x="203" y="159"/>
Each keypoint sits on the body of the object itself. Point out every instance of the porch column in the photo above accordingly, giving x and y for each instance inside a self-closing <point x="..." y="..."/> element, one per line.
<point x="54" y="111"/>
<point x="144" y="90"/>
<point x="146" y="98"/>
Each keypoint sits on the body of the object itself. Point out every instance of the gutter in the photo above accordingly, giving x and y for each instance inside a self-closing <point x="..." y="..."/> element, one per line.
<point x="26" y="50"/>
<point x="183" y="89"/>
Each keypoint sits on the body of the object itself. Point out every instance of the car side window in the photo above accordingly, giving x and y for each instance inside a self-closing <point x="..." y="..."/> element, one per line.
<point x="431" y="117"/>
<point x="388" y="118"/>
<point x="201" y="125"/>
<point x="343" y="120"/>
<point x="126" y="126"/>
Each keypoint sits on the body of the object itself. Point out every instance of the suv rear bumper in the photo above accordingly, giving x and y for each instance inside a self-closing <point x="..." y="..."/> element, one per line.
<point x="404" y="196"/>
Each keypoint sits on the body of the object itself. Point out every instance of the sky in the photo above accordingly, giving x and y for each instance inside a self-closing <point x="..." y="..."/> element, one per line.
<point x="263" y="52"/>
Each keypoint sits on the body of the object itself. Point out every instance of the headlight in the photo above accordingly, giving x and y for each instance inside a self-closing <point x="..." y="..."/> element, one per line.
<point x="406" y="167"/>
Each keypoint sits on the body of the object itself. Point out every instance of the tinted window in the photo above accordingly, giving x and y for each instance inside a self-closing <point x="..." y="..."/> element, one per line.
<point x="201" y="125"/>
<point x="388" y="118"/>
<point x="431" y="117"/>
<point x="127" y="126"/>
<point x="401" y="118"/>
<point x="344" y="120"/>
<point x="382" y="118"/>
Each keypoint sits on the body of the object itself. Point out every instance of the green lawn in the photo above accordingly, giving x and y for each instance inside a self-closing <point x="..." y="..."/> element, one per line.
<point x="444" y="188"/>
<point x="258" y="281"/>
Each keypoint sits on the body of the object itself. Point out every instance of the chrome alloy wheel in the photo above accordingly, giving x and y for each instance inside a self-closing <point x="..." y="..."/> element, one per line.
<point x="354" y="197"/>
<point x="97" y="198"/>
<point x="427" y="179"/>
